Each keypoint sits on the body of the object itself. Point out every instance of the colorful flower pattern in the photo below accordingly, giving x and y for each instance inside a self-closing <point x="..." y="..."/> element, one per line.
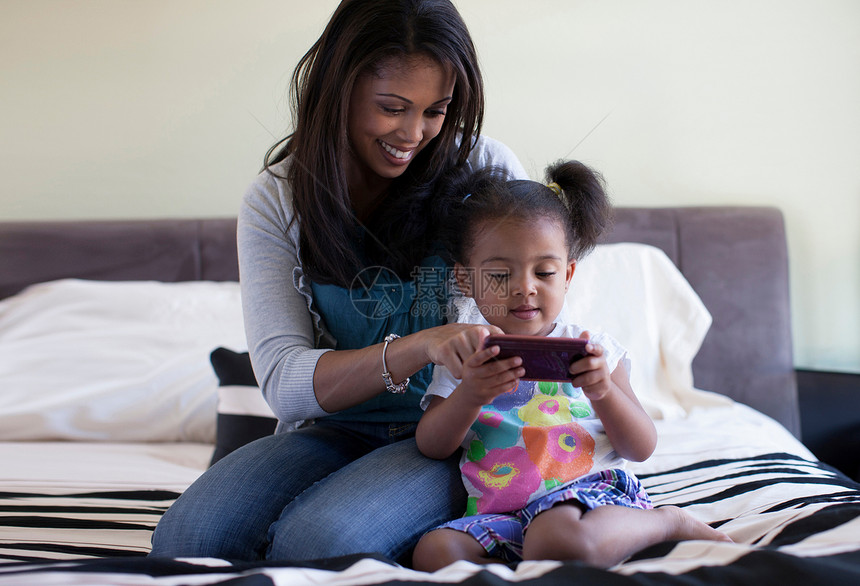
<point x="496" y="429"/>
<point x="561" y="452"/>
<point x="528" y="441"/>
<point x="516" y="398"/>
<point x="505" y="478"/>
<point x="544" y="410"/>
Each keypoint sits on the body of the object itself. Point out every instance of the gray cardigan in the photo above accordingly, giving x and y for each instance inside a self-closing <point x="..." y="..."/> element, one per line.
<point x="284" y="331"/>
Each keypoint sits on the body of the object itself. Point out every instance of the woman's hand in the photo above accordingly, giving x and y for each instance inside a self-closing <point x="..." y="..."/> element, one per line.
<point x="452" y="345"/>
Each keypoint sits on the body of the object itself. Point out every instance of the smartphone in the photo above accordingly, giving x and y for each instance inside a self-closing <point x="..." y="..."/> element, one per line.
<point x="545" y="359"/>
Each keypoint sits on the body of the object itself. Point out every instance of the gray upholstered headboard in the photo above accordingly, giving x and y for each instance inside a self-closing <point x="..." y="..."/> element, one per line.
<point x="734" y="257"/>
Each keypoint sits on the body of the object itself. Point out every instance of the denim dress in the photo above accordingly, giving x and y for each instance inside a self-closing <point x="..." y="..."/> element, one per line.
<point x="379" y="303"/>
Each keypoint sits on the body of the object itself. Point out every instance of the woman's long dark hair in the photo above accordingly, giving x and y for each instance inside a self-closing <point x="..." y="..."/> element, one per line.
<point x="360" y="36"/>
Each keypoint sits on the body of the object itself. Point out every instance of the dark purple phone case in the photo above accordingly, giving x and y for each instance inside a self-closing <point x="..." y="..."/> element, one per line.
<point x="545" y="359"/>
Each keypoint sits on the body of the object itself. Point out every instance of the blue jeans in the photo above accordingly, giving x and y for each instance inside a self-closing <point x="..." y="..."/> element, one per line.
<point x="327" y="490"/>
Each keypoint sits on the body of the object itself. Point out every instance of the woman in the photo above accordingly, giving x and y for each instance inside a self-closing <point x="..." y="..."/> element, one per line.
<point x="340" y="285"/>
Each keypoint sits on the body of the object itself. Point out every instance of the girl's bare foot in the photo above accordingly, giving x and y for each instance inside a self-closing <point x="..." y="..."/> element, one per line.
<point x="682" y="526"/>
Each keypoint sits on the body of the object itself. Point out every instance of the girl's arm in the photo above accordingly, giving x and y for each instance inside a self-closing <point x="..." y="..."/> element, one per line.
<point x="445" y="422"/>
<point x="443" y="426"/>
<point x="628" y="427"/>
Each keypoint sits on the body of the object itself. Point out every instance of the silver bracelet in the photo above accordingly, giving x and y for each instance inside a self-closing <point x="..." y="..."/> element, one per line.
<point x="386" y="376"/>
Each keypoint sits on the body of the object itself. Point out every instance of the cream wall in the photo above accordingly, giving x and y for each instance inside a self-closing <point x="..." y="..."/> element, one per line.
<point x="164" y="108"/>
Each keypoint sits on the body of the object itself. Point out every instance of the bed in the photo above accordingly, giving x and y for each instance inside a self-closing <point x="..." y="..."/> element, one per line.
<point x="122" y="373"/>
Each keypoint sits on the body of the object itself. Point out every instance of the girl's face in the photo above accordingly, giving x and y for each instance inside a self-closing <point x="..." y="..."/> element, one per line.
<point x="393" y="113"/>
<point x="518" y="274"/>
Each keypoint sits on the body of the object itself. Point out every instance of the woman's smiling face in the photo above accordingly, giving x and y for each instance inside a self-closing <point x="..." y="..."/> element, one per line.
<point x="394" y="111"/>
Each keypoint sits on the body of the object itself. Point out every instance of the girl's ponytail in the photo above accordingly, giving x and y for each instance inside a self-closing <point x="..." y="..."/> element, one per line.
<point x="582" y="192"/>
<point x="574" y="197"/>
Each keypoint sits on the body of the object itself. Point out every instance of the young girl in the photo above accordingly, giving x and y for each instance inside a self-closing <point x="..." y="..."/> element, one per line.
<point x="543" y="463"/>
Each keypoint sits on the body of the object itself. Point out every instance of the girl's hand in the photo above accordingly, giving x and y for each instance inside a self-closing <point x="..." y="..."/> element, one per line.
<point x="484" y="379"/>
<point x="452" y="345"/>
<point x="446" y="421"/>
<point x="591" y="373"/>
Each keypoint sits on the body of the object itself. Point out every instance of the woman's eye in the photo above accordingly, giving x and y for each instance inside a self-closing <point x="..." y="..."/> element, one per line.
<point x="388" y="110"/>
<point x="436" y="113"/>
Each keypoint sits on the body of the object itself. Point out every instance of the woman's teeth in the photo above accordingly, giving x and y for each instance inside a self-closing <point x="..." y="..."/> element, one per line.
<point x="397" y="154"/>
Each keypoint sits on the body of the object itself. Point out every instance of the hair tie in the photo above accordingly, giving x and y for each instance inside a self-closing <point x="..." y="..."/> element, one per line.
<point x="556" y="189"/>
<point x="468" y="195"/>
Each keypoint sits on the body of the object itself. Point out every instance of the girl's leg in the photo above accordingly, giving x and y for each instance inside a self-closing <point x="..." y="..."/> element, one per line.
<point x="382" y="502"/>
<point x="607" y="535"/>
<point x="227" y="512"/>
<point x="442" y="547"/>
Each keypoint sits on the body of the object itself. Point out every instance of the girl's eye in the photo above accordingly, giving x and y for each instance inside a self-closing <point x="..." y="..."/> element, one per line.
<point x="546" y="274"/>
<point x="498" y="276"/>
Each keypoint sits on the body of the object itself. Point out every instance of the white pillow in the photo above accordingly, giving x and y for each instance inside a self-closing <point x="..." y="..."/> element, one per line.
<point x="637" y="295"/>
<point x="114" y="361"/>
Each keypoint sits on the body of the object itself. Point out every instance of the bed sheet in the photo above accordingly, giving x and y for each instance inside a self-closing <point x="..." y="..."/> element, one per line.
<point x="791" y="517"/>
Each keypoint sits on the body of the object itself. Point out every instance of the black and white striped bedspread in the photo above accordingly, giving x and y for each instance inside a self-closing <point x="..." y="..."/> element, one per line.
<point x="68" y="500"/>
<point x="793" y="520"/>
<point x="69" y="525"/>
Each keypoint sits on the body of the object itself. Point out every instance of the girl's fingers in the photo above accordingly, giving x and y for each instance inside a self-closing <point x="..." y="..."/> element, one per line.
<point x="493" y="376"/>
<point x="585" y="379"/>
<point x="482" y="355"/>
<point x="493" y="368"/>
<point x="594" y="349"/>
<point x="498" y="385"/>
<point x="582" y="365"/>
<point x="591" y="363"/>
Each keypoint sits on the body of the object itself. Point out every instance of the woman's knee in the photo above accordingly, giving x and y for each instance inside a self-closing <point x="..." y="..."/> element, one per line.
<point x="227" y="511"/>
<point x="330" y="520"/>
<point x="193" y="527"/>
<point x="382" y="502"/>
<point x="299" y="537"/>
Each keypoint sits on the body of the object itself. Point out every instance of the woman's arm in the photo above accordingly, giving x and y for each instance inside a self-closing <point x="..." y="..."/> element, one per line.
<point x="299" y="380"/>
<point x="278" y="325"/>
<point x="345" y="378"/>
<point x="490" y="152"/>
<point x="280" y="329"/>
